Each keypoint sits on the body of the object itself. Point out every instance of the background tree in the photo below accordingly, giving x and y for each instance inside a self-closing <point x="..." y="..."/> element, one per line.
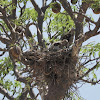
<point x="51" y="59"/>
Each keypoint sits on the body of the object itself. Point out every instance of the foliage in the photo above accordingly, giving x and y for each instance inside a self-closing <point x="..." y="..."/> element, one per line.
<point x="52" y="57"/>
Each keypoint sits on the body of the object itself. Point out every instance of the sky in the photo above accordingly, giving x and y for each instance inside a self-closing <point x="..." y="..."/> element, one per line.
<point x="87" y="91"/>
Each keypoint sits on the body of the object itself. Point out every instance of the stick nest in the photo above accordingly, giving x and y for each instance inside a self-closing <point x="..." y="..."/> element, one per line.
<point x="51" y="68"/>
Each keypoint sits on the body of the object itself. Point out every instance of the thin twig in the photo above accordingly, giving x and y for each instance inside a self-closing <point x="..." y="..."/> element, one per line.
<point x="86" y="81"/>
<point x="88" y="71"/>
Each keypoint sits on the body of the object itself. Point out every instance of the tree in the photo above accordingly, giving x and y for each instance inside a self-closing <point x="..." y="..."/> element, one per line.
<point x="53" y="63"/>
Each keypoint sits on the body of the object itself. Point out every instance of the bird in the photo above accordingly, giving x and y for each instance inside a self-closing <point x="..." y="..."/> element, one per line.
<point x="56" y="46"/>
<point x="68" y="36"/>
<point x="15" y="51"/>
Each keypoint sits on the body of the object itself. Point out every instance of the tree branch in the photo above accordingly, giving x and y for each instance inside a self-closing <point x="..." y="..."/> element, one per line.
<point x="3" y="11"/>
<point x="85" y="37"/>
<point x="4" y="50"/>
<point x="83" y="10"/>
<point x="22" y="9"/>
<point x="88" y="71"/>
<point x="8" y="23"/>
<point x="90" y="60"/>
<point x="4" y="40"/>
<point x="83" y="15"/>
<point x="5" y="93"/>
<point x="5" y="31"/>
<point x="1" y="16"/>
<point x="16" y="72"/>
<point x="40" y="23"/>
<point x="43" y="3"/>
<point x="86" y="81"/>
<point x="31" y="92"/>
<point x="36" y="6"/>
<point x="80" y="18"/>
<point x="14" y="2"/>
<point x="67" y="7"/>
<point x="94" y="31"/>
<point x="41" y="13"/>
<point x="28" y="34"/>
<point x="24" y="94"/>
<point x="85" y="5"/>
